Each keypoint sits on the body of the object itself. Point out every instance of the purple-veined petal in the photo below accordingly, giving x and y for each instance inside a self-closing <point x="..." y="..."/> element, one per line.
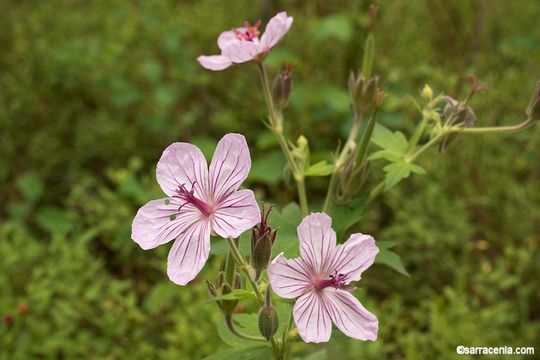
<point x="354" y="256"/>
<point x="227" y="38"/>
<point x="242" y="51"/>
<point x="157" y="222"/>
<point x="289" y="278"/>
<point x="214" y="62"/>
<point x="311" y="318"/>
<point x="349" y="315"/>
<point x="317" y="242"/>
<point x="183" y="164"/>
<point x="189" y="253"/>
<point x="229" y="168"/>
<point x="277" y="27"/>
<point x="237" y="213"/>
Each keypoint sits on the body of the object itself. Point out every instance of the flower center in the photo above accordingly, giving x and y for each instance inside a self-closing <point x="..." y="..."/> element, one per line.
<point x="248" y="32"/>
<point x="188" y="197"/>
<point x="335" y="280"/>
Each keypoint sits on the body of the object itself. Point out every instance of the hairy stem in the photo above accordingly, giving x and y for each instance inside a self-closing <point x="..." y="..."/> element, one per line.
<point x="241" y="262"/>
<point x="338" y="165"/>
<point x="232" y="328"/>
<point x="284" y="349"/>
<point x="276" y="124"/>
<point x="495" y="129"/>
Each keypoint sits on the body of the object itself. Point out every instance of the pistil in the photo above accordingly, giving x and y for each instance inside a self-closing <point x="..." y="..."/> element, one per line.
<point x="188" y="197"/>
<point x="335" y="280"/>
<point x="248" y="33"/>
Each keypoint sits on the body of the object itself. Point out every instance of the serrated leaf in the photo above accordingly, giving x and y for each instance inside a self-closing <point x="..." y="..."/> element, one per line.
<point x="345" y="216"/>
<point x="286" y="222"/>
<point x="386" y="154"/>
<point x="392" y="260"/>
<point x="394" y="142"/>
<point x="245" y="323"/>
<point x="258" y="352"/>
<point x="322" y="168"/>
<point x="395" y="172"/>
<point x="417" y="169"/>
<point x="268" y="169"/>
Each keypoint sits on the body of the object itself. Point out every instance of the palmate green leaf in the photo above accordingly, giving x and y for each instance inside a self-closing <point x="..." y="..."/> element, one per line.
<point x="399" y="170"/>
<point x="386" y="154"/>
<point x="345" y="216"/>
<point x="268" y="169"/>
<point x="257" y="352"/>
<point x="322" y="168"/>
<point x="286" y="222"/>
<point x="395" y="172"/>
<point x="392" y="260"/>
<point x="248" y="324"/>
<point x="393" y="142"/>
<point x="245" y="323"/>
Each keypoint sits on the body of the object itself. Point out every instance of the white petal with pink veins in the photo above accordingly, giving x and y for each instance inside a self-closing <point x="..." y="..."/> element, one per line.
<point x="230" y="166"/>
<point x="237" y="213"/>
<point x="289" y="278"/>
<point x="189" y="253"/>
<point x="227" y="38"/>
<point x="214" y="62"/>
<point x="183" y="164"/>
<point x="349" y="315"/>
<point x="317" y="242"/>
<point x="276" y="29"/>
<point x="312" y="319"/>
<point x="156" y="222"/>
<point x="242" y="51"/>
<point x="354" y="256"/>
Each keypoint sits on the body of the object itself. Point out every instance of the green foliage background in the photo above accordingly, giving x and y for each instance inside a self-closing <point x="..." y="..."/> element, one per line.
<point x="92" y="92"/>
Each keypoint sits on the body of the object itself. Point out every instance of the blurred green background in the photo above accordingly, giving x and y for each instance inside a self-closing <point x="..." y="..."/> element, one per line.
<point x="92" y="92"/>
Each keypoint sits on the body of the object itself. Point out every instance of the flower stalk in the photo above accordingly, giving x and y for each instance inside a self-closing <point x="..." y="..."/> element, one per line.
<point x="276" y="125"/>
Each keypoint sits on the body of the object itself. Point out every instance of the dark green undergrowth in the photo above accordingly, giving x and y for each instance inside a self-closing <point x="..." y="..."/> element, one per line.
<point x="92" y="92"/>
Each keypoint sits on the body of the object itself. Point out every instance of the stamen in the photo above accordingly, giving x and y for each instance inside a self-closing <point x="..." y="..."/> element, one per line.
<point x="248" y="33"/>
<point x="188" y="197"/>
<point x="335" y="280"/>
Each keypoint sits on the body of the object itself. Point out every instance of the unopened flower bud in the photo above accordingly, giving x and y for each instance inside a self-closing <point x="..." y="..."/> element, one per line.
<point x="363" y="92"/>
<point x="427" y="93"/>
<point x="262" y="239"/>
<point x="268" y="317"/>
<point x="22" y="309"/>
<point x="533" y="110"/>
<point x="268" y="322"/>
<point x="282" y="86"/>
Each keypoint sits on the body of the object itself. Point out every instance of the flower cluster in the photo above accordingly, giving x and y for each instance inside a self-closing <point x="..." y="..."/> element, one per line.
<point x="202" y="201"/>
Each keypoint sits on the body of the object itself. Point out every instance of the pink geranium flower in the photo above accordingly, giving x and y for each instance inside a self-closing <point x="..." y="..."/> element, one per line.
<point x="199" y="202"/>
<point x="320" y="279"/>
<point x="242" y="44"/>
